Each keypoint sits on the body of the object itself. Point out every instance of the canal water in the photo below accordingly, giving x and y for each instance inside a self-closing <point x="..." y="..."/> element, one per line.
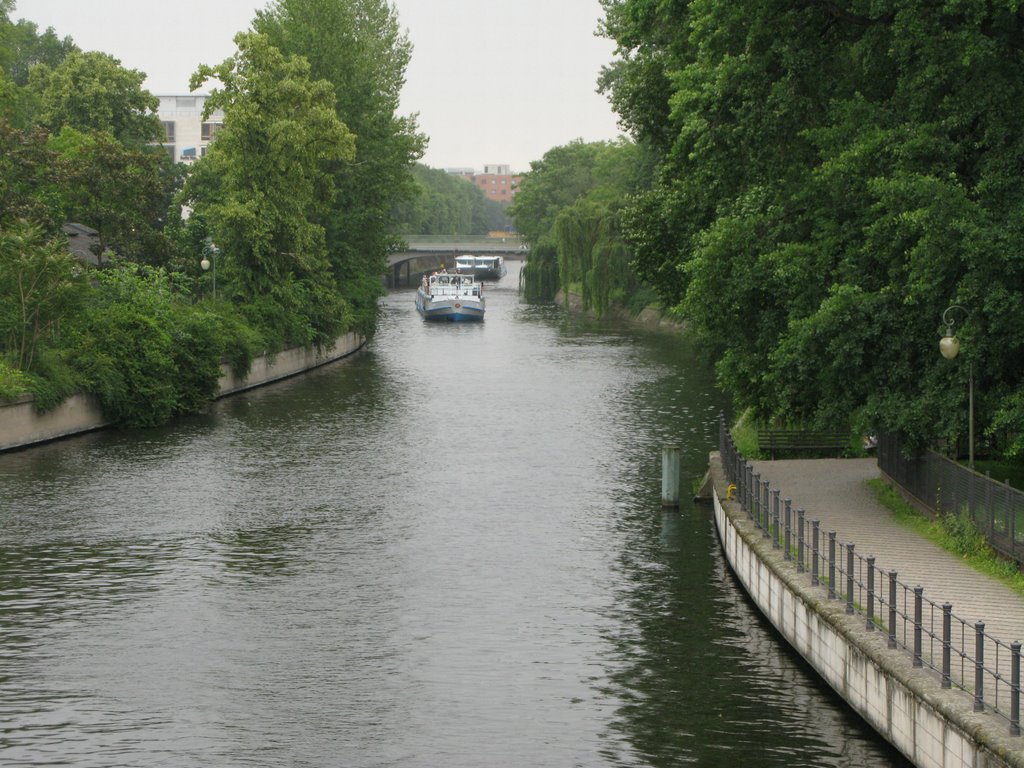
<point x="448" y="550"/>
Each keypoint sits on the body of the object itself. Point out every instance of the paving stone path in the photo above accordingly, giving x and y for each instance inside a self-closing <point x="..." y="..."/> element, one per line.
<point x="836" y="492"/>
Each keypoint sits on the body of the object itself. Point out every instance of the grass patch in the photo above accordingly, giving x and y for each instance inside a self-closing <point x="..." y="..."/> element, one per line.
<point x="956" y="535"/>
<point x="744" y="435"/>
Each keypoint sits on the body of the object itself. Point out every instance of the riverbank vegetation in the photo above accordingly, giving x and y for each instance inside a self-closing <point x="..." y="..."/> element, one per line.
<point x="956" y="535"/>
<point x="291" y="207"/>
<point x="444" y="204"/>
<point x="570" y="208"/>
<point x="810" y="188"/>
<point x="824" y="181"/>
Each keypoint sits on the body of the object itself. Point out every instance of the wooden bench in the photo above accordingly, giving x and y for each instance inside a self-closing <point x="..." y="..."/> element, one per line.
<point x="773" y="441"/>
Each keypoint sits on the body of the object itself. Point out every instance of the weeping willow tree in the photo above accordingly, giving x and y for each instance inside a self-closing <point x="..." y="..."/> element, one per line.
<point x="592" y="257"/>
<point x="538" y="280"/>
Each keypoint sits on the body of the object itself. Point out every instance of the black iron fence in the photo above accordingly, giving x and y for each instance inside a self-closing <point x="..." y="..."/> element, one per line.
<point x="946" y="487"/>
<point x="962" y="654"/>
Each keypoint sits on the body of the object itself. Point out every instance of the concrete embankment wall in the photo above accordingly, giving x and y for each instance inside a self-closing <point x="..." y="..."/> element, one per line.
<point x="21" y="425"/>
<point x="934" y="728"/>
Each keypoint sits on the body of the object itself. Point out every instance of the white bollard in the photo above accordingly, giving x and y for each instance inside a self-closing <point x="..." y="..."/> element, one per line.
<point x="670" y="476"/>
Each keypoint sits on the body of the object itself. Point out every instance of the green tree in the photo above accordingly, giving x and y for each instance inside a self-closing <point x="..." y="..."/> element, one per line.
<point x="30" y="179"/>
<point x="572" y="200"/>
<point x="358" y="46"/>
<point x="91" y="91"/>
<point x="443" y="205"/>
<point x="265" y="184"/>
<point x="122" y="192"/>
<point x="829" y="178"/>
<point x="144" y="350"/>
<point x="22" y="46"/>
<point x="40" y="284"/>
<point x="554" y="182"/>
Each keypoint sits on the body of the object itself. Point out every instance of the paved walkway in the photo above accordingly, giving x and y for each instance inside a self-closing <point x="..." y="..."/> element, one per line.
<point x="836" y="492"/>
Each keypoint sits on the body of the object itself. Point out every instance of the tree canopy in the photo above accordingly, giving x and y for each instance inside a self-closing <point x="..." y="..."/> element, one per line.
<point x="91" y="91"/>
<point x="569" y="208"/>
<point x="445" y="205"/>
<point x="828" y="179"/>
<point x="358" y="47"/>
<point x="264" y="215"/>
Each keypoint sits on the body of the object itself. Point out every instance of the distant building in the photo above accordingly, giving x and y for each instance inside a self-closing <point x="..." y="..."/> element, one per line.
<point x="186" y="134"/>
<point x="496" y="182"/>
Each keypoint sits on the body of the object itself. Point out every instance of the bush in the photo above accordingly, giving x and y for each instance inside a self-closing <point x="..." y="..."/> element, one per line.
<point x="13" y="383"/>
<point x="146" y="353"/>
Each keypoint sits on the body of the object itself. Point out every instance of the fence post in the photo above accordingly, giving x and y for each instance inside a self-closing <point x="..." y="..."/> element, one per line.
<point x="892" y="609"/>
<point x="947" y="636"/>
<point x="988" y="505"/>
<point x="831" y="565"/>
<point x="979" y="666"/>
<point x="1012" y="512"/>
<point x="776" y="527"/>
<point x="753" y="487"/>
<point x="788" y="554"/>
<point x="800" y="541"/>
<point x="871" y="594"/>
<point x="815" y="525"/>
<point x="849" y="579"/>
<point x="766" y="507"/>
<point x="1015" y="688"/>
<point x="918" y="593"/>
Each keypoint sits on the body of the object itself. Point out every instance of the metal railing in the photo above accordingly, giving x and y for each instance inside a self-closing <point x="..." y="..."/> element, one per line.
<point x="961" y="653"/>
<point x="947" y="487"/>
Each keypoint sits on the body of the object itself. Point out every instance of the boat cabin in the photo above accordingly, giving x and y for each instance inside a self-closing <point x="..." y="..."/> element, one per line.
<point x="454" y="284"/>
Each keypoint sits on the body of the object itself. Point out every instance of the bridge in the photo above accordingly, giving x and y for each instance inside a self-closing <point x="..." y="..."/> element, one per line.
<point x="425" y="253"/>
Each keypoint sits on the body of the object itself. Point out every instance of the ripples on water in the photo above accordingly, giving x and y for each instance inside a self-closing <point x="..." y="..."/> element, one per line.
<point x="447" y="551"/>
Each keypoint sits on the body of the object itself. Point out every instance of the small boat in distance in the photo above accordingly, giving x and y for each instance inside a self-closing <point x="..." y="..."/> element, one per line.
<point x="450" y="296"/>
<point x="481" y="267"/>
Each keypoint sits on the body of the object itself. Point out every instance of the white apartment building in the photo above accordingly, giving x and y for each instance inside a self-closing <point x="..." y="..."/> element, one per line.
<point x="186" y="134"/>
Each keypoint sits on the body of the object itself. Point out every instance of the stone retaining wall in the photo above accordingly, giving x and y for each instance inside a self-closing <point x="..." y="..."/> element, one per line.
<point x="21" y="425"/>
<point x="934" y="728"/>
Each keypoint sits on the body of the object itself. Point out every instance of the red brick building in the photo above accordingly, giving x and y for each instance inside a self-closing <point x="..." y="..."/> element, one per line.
<point x="496" y="182"/>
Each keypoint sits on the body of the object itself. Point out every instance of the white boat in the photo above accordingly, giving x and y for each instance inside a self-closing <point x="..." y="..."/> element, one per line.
<point x="481" y="267"/>
<point x="450" y="296"/>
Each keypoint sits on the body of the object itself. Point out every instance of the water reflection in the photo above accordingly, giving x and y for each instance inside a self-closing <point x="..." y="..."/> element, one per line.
<point x="448" y="550"/>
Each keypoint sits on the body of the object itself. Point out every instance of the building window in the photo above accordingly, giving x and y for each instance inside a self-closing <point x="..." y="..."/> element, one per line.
<point x="170" y="151"/>
<point x="185" y="102"/>
<point x="168" y="130"/>
<point x="209" y="130"/>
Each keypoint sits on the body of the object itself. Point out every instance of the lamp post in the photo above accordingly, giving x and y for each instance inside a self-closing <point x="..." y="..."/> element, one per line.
<point x="212" y="250"/>
<point x="949" y="346"/>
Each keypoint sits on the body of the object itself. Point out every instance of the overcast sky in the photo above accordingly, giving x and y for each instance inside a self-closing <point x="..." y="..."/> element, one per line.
<point x="493" y="81"/>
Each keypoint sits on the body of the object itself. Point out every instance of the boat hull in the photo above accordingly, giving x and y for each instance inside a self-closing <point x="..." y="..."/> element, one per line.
<point x="449" y="309"/>
<point x="481" y="273"/>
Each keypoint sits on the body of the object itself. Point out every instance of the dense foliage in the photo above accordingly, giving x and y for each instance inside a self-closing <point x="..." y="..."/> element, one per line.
<point x="263" y="215"/>
<point x="359" y="48"/>
<point x="446" y="205"/>
<point x="829" y="178"/>
<point x="569" y="208"/>
<point x="291" y="203"/>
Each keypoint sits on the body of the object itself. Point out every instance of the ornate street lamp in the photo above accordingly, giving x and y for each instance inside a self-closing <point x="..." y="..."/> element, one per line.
<point x="212" y="250"/>
<point x="949" y="346"/>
